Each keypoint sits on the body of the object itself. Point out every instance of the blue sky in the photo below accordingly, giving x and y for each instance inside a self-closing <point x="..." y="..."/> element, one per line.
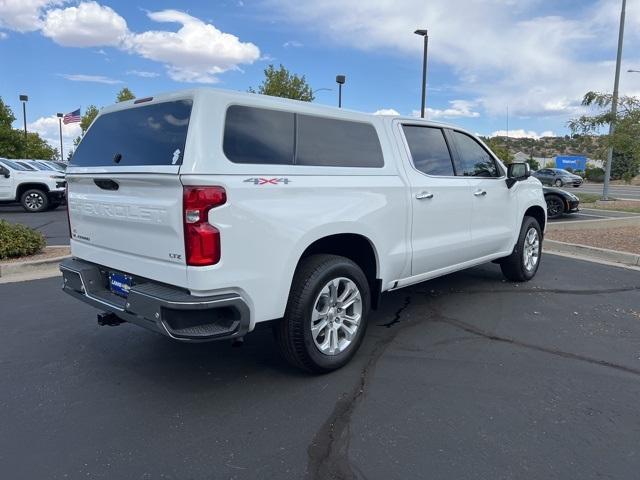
<point x="535" y="57"/>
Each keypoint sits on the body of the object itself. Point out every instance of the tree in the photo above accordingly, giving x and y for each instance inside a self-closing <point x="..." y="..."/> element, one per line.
<point x="87" y="119"/>
<point x="89" y="116"/>
<point x="12" y="141"/>
<point x="533" y="163"/>
<point x="501" y="151"/>
<point x="282" y="83"/>
<point x="6" y="115"/>
<point x="39" y="148"/>
<point x="625" y="139"/>
<point x="124" y="95"/>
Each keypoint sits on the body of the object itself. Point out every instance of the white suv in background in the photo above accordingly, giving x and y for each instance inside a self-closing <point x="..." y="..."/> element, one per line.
<point x="36" y="190"/>
<point x="202" y="213"/>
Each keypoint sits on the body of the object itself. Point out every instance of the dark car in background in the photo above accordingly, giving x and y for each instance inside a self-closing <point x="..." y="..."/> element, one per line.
<point x="557" y="177"/>
<point x="560" y="202"/>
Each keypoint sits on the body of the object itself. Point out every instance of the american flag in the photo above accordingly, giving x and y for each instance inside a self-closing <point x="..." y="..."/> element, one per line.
<point x="72" y="117"/>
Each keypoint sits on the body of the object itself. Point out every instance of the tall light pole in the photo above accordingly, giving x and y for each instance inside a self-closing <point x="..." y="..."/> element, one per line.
<point x="24" y="99"/>
<point x="425" y="34"/>
<point x="340" y="80"/>
<point x="60" y="115"/>
<point x="614" y="104"/>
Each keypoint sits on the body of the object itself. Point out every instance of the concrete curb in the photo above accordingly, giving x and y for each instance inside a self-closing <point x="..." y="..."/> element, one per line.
<point x="599" y="224"/>
<point x="614" y="256"/>
<point x="32" y="267"/>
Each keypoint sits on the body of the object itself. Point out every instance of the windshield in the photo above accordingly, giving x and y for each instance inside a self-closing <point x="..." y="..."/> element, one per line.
<point x="27" y="166"/>
<point x="155" y="134"/>
<point x="44" y="166"/>
<point x="14" y="165"/>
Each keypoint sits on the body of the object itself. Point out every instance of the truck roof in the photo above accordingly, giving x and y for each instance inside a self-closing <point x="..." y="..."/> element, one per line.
<point x="231" y="96"/>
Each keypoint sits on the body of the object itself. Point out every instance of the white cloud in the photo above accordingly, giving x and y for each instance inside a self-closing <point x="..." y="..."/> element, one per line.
<point x="143" y="74"/>
<point x="87" y="25"/>
<point x="520" y="133"/>
<point x="48" y="129"/>
<point x="386" y="111"/>
<point x="293" y="44"/>
<point x="458" y="109"/>
<point x="24" y="15"/>
<point x="197" y="52"/>
<point x="501" y="53"/>
<point x="3" y="36"/>
<point x="79" y="77"/>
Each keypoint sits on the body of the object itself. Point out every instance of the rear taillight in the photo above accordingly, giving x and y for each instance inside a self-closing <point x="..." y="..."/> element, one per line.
<point x="66" y="199"/>
<point x="201" y="239"/>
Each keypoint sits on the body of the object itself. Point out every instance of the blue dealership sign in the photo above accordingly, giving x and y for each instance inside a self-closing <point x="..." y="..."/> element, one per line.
<point x="575" y="163"/>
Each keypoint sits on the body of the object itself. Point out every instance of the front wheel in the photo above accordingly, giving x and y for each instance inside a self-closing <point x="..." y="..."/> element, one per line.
<point x="34" y="200"/>
<point x="326" y="315"/>
<point x="555" y="206"/>
<point x="523" y="263"/>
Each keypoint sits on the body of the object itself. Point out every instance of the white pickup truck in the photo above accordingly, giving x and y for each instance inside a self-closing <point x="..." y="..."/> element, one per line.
<point x="201" y="213"/>
<point x="36" y="190"/>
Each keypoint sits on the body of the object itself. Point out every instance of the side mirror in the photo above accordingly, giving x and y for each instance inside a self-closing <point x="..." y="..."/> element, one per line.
<point x="5" y="173"/>
<point x="516" y="172"/>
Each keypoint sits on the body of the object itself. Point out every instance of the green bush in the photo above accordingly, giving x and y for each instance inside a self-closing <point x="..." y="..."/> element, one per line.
<point x="594" y="174"/>
<point x="19" y="241"/>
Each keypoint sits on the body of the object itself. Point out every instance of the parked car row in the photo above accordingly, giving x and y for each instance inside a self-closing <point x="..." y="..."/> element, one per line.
<point x="38" y="185"/>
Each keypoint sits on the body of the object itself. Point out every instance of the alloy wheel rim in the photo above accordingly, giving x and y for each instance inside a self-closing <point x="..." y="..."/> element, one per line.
<point x="336" y="316"/>
<point x="531" y="250"/>
<point x="34" y="201"/>
<point x="554" y="207"/>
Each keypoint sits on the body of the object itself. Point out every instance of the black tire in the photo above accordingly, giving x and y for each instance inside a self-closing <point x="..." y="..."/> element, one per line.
<point x="34" y="200"/>
<point x="293" y="332"/>
<point x="555" y="206"/>
<point x="558" y="183"/>
<point x="513" y="267"/>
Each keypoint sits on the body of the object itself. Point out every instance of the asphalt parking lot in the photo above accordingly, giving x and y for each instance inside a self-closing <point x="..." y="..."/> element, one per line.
<point x="463" y="377"/>
<point x="53" y="224"/>
<point x="592" y="214"/>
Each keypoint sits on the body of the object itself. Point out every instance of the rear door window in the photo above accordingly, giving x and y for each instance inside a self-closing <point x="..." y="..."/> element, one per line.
<point x="259" y="135"/>
<point x="429" y="150"/>
<point x="153" y="134"/>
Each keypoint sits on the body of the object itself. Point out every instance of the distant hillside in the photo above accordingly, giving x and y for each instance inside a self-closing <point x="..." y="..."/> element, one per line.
<point x="550" y="147"/>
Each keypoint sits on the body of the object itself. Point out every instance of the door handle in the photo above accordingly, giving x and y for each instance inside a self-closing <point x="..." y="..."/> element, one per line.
<point x="480" y="193"/>
<point x="424" y="196"/>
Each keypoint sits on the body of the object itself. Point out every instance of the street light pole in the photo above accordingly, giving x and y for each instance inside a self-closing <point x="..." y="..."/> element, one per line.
<point x="340" y="80"/>
<point x="60" y="115"/>
<point x="425" y="34"/>
<point x="614" y="104"/>
<point x="24" y="99"/>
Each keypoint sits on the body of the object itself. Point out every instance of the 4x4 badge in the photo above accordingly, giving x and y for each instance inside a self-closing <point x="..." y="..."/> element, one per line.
<point x="268" y="181"/>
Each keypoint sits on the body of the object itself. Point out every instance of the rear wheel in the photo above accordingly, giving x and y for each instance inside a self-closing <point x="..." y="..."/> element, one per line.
<point x="34" y="200"/>
<point x="326" y="315"/>
<point x="555" y="206"/>
<point x="523" y="263"/>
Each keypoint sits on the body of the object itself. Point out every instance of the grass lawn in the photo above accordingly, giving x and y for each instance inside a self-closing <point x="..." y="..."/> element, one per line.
<point x="592" y="200"/>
